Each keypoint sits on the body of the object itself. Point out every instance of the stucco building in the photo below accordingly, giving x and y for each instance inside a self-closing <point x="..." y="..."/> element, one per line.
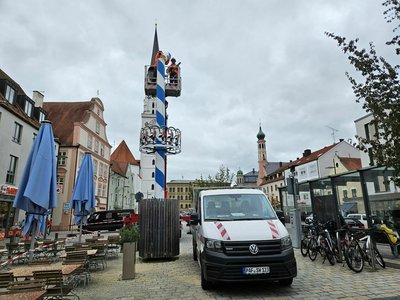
<point x="125" y="181"/>
<point x="81" y="128"/>
<point x="20" y="118"/>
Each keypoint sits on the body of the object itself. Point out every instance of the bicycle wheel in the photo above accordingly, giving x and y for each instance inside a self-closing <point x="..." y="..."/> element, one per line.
<point x="379" y="258"/>
<point x="312" y="248"/>
<point x="354" y="258"/>
<point x="329" y="255"/>
<point x="304" y="246"/>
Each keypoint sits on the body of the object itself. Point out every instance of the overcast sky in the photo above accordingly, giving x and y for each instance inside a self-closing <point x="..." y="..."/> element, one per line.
<point x="243" y="63"/>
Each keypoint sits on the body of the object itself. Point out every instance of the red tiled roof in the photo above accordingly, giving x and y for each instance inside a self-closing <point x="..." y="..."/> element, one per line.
<point x="351" y="163"/>
<point x="64" y="115"/>
<point x="119" y="167"/>
<point x="123" y="154"/>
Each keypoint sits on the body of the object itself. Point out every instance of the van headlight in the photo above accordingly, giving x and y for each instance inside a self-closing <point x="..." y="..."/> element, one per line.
<point x="286" y="242"/>
<point x="214" y="245"/>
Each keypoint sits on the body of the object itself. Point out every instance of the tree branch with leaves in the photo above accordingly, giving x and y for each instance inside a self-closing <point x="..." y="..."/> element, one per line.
<point x="379" y="92"/>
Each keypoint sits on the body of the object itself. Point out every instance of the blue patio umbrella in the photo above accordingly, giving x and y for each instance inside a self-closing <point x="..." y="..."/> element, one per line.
<point x="37" y="191"/>
<point x="83" y="198"/>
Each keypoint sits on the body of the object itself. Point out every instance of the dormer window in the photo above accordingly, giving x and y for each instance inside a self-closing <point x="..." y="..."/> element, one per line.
<point x="10" y="94"/>
<point x="28" y="108"/>
<point x="42" y="116"/>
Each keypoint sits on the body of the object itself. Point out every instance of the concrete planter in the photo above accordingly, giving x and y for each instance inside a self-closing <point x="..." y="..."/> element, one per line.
<point x="128" y="261"/>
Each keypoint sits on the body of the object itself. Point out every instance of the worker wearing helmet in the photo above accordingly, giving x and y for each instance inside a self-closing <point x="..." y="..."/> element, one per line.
<point x="173" y="71"/>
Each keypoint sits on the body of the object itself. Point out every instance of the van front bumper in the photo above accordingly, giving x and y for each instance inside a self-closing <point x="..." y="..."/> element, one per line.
<point x="219" y="267"/>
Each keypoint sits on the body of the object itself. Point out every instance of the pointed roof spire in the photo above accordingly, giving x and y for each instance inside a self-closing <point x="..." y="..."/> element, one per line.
<point x="155" y="45"/>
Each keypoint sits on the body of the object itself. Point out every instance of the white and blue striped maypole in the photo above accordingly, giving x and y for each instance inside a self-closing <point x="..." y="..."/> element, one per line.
<point x="161" y="123"/>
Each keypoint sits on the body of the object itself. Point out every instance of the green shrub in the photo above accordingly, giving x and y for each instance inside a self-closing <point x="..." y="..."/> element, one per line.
<point x="129" y="234"/>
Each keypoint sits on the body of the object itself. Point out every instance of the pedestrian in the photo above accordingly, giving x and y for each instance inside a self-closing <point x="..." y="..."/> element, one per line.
<point x="173" y="71"/>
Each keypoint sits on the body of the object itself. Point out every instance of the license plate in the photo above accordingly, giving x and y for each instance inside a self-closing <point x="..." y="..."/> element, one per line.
<point x="255" y="270"/>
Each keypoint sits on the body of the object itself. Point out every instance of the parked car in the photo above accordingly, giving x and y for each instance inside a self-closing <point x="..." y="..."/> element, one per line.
<point x="281" y="216"/>
<point x="360" y="217"/>
<point x="353" y="223"/>
<point x="107" y="220"/>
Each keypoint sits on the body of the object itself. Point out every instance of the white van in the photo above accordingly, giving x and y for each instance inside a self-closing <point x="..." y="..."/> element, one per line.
<point x="237" y="236"/>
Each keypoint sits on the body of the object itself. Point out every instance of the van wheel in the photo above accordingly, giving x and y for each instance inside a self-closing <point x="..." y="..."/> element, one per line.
<point x="286" y="282"/>
<point x="205" y="284"/>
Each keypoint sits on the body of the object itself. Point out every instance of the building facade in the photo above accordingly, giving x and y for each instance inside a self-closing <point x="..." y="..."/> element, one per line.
<point x="81" y="128"/>
<point x="181" y="190"/>
<point x="20" y="118"/>
<point x="124" y="179"/>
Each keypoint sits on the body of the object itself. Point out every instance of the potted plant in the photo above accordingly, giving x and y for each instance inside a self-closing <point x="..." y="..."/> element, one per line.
<point x="128" y="238"/>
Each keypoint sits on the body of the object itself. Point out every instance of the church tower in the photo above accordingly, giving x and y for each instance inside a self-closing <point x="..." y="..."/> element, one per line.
<point x="262" y="157"/>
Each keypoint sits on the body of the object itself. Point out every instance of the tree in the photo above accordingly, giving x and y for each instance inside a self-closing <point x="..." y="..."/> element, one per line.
<point x="379" y="92"/>
<point x="222" y="178"/>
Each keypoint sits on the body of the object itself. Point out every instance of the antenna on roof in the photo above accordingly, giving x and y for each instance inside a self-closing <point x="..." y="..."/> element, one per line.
<point x="98" y="93"/>
<point x="333" y="132"/>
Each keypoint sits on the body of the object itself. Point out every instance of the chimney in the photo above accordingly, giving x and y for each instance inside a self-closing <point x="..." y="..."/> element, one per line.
<point x="38" y="99"/>
<point x="306" y="152"/>
<point x="254" y="170"/>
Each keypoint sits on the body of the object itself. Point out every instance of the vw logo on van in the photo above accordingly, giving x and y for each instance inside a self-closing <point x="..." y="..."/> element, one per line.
<point x="253" y="249"/>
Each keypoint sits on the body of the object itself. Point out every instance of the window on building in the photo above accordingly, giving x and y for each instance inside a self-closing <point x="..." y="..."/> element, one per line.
<point x="28" y="108"/>
<point x="62" y="158"/>
<point x="354" y="193"/>
<point x="60" y="185"/>
<point x="371" y="157"/>
<point x="345" y="194"/>
<point x="152" y="187"/>
<point x="102" y="150"/>
<point x="89" y="141"/>
<point x="101" y="169"/>
<point x="97" y="127"/>
<point x="42" y="116"/>
<point x="17" y="133"/>
<point x="153" y="162"/>
<point x="105" y="171"/>
<point x="98" y="189"/>
<point x="10" y="94"/>
<point x="181" y="205"/>
<point x="95" y="167"/>
<point x="96" y="146"/>
<point x="152" y="175"/>
<point x="12" y="168"/>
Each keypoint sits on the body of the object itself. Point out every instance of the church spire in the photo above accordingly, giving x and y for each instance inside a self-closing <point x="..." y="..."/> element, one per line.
<point x="155" y="45"/>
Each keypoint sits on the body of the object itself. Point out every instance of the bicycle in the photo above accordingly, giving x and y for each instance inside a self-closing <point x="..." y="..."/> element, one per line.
<point x="322" y="243"/>
<point x="356" y="255"/>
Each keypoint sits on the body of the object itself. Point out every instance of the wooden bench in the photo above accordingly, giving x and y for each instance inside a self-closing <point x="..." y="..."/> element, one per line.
<point x="382" y="237"/>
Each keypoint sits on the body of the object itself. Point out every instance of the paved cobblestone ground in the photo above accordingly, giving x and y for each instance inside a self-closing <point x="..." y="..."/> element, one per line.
<point x="180" y="279"/>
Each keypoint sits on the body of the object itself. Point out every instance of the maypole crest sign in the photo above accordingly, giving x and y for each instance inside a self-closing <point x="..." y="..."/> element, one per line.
<point x="168" y="138"/>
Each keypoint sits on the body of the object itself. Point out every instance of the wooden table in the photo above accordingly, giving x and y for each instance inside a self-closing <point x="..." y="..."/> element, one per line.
<point x="90" y="252"/>
<point x="28" y="295"/>
<point x="27" y="271"/>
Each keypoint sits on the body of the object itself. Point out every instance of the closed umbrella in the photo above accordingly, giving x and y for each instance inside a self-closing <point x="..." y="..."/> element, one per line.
<point x="83" y="199"/>
<point x="37" y="190"/>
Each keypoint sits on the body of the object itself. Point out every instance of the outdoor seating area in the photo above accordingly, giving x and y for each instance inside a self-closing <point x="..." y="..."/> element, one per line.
<point x="58" y="267"/>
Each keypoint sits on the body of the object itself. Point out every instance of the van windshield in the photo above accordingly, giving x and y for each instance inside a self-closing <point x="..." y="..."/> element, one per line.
<point x="232" y="207"/>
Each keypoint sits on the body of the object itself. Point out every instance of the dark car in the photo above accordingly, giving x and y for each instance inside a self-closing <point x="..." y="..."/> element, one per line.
<point x="281" y="216"/>
<point x="353" y="223"/>
<point x="107" y="220"/>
